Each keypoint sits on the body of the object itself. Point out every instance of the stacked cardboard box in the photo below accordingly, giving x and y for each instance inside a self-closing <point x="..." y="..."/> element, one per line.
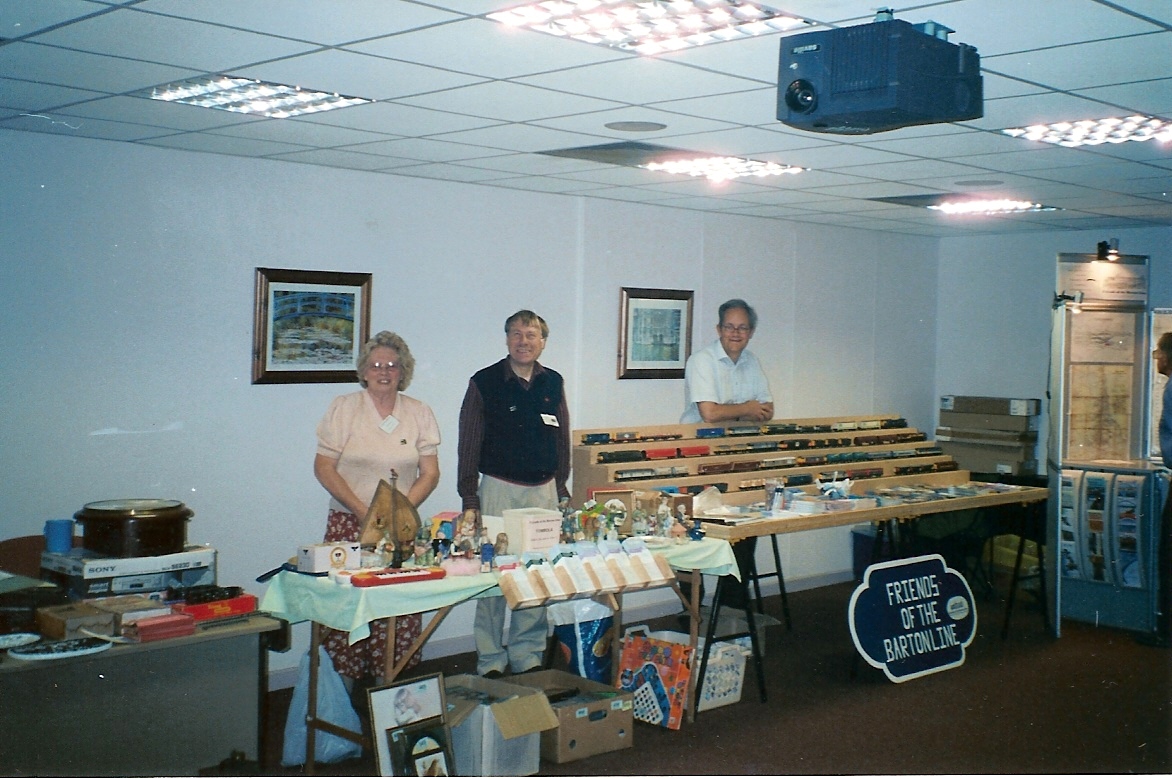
<point x="989" y="434"/>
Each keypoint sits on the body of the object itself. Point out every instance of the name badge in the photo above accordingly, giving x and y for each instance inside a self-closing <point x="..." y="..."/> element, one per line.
<point x="550" y="420"/>
<point x="389" y="424"/>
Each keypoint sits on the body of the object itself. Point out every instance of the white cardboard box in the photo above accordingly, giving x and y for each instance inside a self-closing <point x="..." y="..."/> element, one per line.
<point x="496" y="726"/>
<point x="532" y="529"/>
<point x="86" y="576"/>
<point x="323" y="558"/>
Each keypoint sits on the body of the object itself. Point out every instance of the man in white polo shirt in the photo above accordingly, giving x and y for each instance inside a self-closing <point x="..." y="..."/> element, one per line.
<point x="724" y="381"/>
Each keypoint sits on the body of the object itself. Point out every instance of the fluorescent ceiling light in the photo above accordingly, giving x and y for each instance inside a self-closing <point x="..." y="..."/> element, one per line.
<point x="248" y="96"/>
<point x="959" y="204"/>
<point x="649" y="26"/>
<point x="963" y="207"/>
<point x="649" y="156"/>
<point x="721" y="168"/>
<point x="1092" y="132"/>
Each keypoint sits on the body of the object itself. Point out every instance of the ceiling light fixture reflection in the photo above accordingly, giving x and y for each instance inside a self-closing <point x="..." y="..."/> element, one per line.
<point x="1092" y="132"/>
<point x="721" y="168"/>
<point x="649" y="26"/>
<point x="964" y="207"/>
<point x="248" y="96"/>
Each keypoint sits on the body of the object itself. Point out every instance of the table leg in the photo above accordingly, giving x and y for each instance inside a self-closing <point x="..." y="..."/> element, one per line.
<point x="616" y="644"/>
<point x="393" y="669"/>
<point x="692" y="604"/>
<point x="311" y="710"/>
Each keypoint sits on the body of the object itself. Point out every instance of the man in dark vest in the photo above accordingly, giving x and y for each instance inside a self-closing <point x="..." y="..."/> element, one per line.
<point x="514" y="453"/>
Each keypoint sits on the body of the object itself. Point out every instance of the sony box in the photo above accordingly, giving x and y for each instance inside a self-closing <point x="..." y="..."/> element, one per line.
<point x="495" y="726"/>
<point x="593" y="718"/>
<point x="85" y="575"/>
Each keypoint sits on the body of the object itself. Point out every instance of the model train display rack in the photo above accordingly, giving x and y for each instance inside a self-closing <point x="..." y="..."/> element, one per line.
<point x="391" y="521"/>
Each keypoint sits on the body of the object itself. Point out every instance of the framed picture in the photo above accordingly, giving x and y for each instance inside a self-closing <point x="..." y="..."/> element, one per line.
<point x="424" y="749"/>
<point x="408" y="727"/>
<point x="655" y="333"/>
<point x="308" y="325"/>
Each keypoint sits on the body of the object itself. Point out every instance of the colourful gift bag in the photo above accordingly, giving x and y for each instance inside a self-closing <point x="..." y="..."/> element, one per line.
<point x="657" y="672"/>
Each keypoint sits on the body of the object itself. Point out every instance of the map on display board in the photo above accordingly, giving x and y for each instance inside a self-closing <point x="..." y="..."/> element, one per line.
<point x="1102" y="386"/>
<point x="1100" y="412"/>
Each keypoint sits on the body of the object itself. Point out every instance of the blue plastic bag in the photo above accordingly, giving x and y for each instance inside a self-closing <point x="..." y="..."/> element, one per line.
<point x="583" y="630"/>
<point x="333" y="705"/>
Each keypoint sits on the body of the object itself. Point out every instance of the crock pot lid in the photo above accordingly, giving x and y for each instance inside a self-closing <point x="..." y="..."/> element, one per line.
<point x="132" y="505"/>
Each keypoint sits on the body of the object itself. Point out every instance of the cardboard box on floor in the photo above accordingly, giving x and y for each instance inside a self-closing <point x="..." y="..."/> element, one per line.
<point x="496" y="726"/>
<point x="595" y="719"/>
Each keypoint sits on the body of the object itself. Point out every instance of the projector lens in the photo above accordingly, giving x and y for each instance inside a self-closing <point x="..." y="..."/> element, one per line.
<point x="800" y="97"/>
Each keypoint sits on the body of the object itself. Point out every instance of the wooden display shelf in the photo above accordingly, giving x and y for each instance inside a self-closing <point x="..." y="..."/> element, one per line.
<point x="739" y="456"/>
<point x="903" y="511"/>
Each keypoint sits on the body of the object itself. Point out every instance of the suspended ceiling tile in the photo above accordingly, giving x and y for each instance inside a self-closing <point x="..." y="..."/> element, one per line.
<point x="51" y="65"/>
<point x="300" y="132"/>
<point x="26" y="18"/>
<point x="1038" y="109"/>
<point x="748" y="107"/>
<point x="527" y="138"/>
<point x="488" y="49"/>
<point x="221" y="144"/>
<point x="327" y="24"/>
<point x="445" y="172"/>
<point x="423" y="149"/>
<point x="81" y="127"/>
<point x="175" y="116"/>
<point x="340" y="158"/>
<point x="135" y="35"/>
<point x="640" y="80"/>
<point x="1086" y="65"/>
<point x="533" y="164"/>
<point x="754" y="58"/>
<point x="356" y="75"/>
<point x="997" y="27"/>
<point x="507" y="101"/>
<point x="27" y="96"/>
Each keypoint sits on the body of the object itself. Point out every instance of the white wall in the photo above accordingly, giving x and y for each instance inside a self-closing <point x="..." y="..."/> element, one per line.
<point x="128" y="284"/>
<point x="995" y="296"/>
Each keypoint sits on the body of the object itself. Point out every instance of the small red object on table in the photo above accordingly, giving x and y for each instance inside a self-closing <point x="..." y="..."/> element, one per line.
<point x="396" y="576"/>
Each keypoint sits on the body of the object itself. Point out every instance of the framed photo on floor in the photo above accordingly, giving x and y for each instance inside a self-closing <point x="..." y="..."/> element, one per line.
<point x="655" y="333"/>
<point x="308" y="326"/>
<point x="408" y="728"/>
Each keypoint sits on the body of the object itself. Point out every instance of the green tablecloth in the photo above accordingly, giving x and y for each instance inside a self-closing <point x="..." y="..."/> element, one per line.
<point x="297" y="597"/>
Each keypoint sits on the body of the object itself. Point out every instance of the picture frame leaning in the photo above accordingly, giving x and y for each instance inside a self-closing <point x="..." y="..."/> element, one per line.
<point x="409" y="728"/>
<point x="655" y="333"/>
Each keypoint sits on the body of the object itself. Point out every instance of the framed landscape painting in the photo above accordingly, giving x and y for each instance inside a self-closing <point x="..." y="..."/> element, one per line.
<point x="655" y="333"/>
<point x="308" y="325"/>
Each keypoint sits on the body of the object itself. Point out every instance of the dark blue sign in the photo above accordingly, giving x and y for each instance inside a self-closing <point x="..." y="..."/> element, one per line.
<point x="913" y="617"/>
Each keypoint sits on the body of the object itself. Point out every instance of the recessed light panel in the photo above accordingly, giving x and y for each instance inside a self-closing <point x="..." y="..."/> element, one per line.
<point x="956" y="204"/>
<point x="721" y="168"/>
<point x="649" y="26"/>
<point x="1092" y="132"/>
<point x="248" y="96"/>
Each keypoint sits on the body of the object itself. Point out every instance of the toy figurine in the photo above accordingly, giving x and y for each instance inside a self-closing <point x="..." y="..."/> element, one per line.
<point x="502" y="544"/>
<point x="679" y="533"/>
<point x="663" y="520"/>
<point x="639" y="523"/>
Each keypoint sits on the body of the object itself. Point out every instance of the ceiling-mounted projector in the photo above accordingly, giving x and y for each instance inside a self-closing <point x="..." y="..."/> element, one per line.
<point x="876" y="77"/>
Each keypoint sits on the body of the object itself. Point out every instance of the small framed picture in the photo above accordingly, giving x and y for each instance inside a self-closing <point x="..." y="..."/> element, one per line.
<point x="422" y="749"/>
<point x="308" y="325"/>
<point x="655" y="333"/>
<point x="399" y="710"/>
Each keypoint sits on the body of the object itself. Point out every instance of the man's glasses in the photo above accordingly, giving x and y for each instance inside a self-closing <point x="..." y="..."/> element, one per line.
<point x="735" y="328"/>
